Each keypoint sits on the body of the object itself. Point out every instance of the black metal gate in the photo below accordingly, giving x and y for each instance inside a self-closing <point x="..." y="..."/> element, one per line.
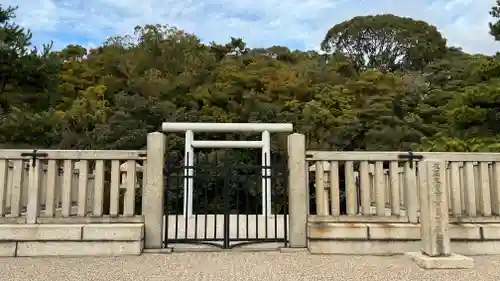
<point x="227" y="209"/>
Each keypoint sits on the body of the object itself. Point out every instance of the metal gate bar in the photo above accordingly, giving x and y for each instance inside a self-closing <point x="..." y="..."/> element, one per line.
<point x="218" y="190"/>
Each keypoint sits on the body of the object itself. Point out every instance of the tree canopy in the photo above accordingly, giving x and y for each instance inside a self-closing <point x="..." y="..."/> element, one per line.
<point x="386" y="42"/>
<point x="383" y="83"/>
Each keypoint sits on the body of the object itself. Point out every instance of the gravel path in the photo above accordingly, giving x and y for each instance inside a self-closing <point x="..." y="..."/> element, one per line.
<point x="237" y="266"/>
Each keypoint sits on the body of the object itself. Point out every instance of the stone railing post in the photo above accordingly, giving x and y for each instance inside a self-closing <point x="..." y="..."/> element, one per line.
<point x="434" y="222"/>
<point x="152" y="196"/>
<point x="298" y="195"/>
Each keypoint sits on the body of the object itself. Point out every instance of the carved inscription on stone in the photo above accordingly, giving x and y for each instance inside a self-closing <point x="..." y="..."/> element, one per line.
<point x="438" y="197"/>
<point x="434" y="219"/>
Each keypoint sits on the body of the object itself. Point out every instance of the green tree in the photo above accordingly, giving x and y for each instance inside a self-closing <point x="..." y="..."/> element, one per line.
<point x="14" y="43"/>
<point x="495" y="25"/>
<point x="385" y="42"/>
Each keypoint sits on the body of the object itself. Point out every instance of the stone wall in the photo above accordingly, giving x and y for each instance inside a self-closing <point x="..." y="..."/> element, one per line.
<point x="397" y="238"/>
<point x="29" y="240"/>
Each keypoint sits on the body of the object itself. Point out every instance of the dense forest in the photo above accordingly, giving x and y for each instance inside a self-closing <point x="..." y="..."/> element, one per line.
<point x="381" y="82"/>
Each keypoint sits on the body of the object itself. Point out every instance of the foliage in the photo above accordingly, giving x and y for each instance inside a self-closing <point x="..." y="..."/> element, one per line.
<point x="385" y="42"/>
<point x="495" y="26"/>
<point x="385" y="83"/>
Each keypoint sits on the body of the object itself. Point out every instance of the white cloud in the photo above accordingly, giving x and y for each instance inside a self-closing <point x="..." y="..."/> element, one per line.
<point x="295" y="23"/>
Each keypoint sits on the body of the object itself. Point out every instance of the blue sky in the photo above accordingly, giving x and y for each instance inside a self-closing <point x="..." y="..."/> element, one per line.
<point x="298" y="24"/>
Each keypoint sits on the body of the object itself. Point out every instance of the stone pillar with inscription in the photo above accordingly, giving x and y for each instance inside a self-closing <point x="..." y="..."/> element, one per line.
<point x="434" y="221"/>
<point x="434" y="212"/>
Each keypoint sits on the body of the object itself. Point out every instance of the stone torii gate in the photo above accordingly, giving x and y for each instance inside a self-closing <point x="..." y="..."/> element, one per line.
<point x="190" y="144"/>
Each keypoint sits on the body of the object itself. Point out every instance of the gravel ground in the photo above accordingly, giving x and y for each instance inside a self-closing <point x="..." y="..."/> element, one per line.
<point x="237" y="266"/>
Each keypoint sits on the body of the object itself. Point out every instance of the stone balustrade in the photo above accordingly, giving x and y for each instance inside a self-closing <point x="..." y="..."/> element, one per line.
<point x="72" y="183"/>
<point x="378" y="203"/>
<point x="362" y="202"/>
<point x="81" y="202"/>
<point x="381" y="186"/>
